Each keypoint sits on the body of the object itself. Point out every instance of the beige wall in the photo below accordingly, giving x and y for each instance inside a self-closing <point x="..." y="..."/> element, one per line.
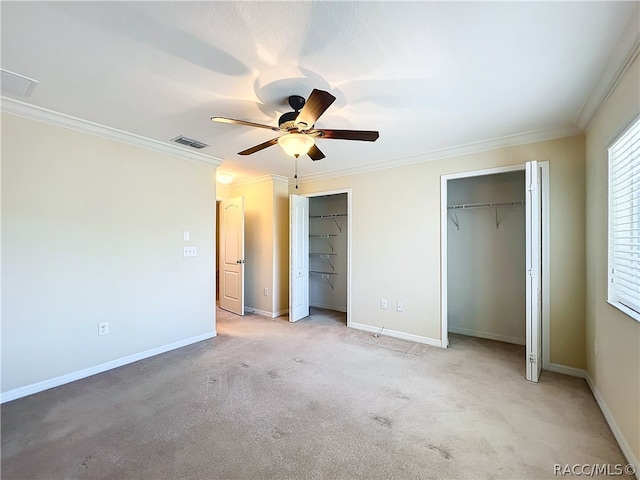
<point x="92" y="232"/>
<point x="281" y="246"/>
<point x="396" y="240"/>
<point x="258" y="242"/>
<point x="266" y="204"/>
<point x="615" y="370"/>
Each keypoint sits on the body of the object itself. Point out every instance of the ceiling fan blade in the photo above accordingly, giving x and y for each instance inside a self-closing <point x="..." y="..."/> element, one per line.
<point x="315" y="153"/>
<point x="242" y="122"/>
<point x="316" y="105"/>
<point x="363" y="135"/>
<point x="257" y="148"/>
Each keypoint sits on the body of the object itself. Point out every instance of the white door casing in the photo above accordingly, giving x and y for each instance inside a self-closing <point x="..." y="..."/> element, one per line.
<point x="232" y="255"/>
<point x="298" y="257"/>
<point x="533" y="270"/>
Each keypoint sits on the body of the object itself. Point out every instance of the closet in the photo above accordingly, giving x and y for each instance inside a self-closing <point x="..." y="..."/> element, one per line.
<point x="328" y="233"/>
<point x="486" y="255"/>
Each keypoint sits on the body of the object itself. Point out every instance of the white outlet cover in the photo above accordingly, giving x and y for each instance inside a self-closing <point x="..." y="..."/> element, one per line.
<point x="103" y="328"/>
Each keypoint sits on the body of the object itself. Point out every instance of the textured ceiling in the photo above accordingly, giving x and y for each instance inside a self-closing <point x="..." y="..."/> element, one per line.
<point x="428" y="75"/>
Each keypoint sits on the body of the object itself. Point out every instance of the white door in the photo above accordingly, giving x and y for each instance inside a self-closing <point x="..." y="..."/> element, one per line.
<point x="232" y="255"/>
<point x="298" y="257"/>
<point x="534" y="271"/>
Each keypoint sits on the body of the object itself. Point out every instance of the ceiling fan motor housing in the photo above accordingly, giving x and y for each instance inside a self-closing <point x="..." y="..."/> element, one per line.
<point x="288" y="120"/>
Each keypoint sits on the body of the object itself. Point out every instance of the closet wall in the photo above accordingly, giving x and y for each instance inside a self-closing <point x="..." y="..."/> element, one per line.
<point x="328" y="252"/>
<point x="486" y="265"/>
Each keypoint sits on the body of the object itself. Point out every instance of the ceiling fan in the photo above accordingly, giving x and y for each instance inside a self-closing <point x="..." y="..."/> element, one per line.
<point x="297" y="126"/>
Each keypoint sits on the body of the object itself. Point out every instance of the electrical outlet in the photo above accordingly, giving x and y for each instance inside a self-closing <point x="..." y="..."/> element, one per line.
<point x="103" y="328"/>
<point x="383" y="303"/>
<point x="266" y="292"/>
<point x="400" y="306"/>
<point x="190" y="251"/>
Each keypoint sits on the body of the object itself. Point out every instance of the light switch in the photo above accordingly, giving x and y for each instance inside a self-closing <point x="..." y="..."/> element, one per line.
<point x="185" y="236"/>
<point x="190" y="251"/>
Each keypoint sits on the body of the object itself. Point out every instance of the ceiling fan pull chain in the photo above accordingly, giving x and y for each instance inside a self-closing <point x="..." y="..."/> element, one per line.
<point x="295" y="170"/>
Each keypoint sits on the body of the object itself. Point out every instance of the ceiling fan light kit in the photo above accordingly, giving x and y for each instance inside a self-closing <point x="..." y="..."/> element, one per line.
<point x="296" y="144"/>
<point x="298" y="127"/>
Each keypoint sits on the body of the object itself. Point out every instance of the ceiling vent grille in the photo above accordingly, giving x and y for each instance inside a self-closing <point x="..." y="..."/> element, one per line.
<point x="189" y="142"/>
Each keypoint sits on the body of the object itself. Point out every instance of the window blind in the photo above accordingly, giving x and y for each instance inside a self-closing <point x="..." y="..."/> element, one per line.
<point x="624" y="222"/>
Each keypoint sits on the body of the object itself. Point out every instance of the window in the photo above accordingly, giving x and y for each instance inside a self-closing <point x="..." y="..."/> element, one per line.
<point x="624" y="222"/>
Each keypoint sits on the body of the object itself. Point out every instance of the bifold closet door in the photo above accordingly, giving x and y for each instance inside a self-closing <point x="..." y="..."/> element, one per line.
<point x="533" y="270"/>
<point x="298" y="257"/>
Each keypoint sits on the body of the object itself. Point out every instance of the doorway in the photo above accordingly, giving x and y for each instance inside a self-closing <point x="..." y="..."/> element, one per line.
<point x="320" y="253"/>
<point x="494" y="264"/>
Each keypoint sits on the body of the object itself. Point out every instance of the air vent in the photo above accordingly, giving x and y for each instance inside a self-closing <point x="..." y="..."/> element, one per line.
<point x="189" y="142"/>
<point x="15" y="84"/>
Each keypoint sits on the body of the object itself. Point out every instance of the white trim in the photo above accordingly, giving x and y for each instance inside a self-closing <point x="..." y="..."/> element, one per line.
<point x="349" y="193"/>
<point x="489" y="336"/>
<point x="250" y="310"/>
<point x="546" y="266"/>
<point x="613" y="425"/>
<point x="466" y="149"/>
<point x="103" y="367"/>
<point x="328" y="307"/>
<point x="434" y="342"/>
<point x="261" y="179"/>
<point x="620" y="60"/>
<point x="265" y="313"/>
<point x="33" y="112"/>
<point x="564" y="370"/>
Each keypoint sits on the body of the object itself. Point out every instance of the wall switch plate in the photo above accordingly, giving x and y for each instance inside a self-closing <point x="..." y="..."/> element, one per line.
<point x="190" y="251"/>
<point x="400" y="306"/>
<point x="103" y="328"/>
<point x="266" y="292"/>
<point x="185" y="236"/>
<point x="383" y="303"/>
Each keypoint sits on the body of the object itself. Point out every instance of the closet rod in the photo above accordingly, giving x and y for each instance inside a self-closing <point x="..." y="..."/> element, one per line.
<point x="467" y="206"/>
<point x="484" y="205"/>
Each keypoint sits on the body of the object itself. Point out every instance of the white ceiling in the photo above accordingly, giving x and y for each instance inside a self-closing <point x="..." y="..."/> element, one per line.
<point x="430" y="76"/>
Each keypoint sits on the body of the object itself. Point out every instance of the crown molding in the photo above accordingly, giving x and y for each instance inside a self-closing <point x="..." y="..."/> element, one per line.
<point x="466" y="149"/>
<point x="52" y="117"/>
<point x="624" y="54"/>
<point x="261" y="179"/>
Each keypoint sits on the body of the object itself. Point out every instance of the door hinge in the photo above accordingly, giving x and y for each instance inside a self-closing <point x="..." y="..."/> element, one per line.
<point x="531" y="272"/>
<point x="532" y="187"/>
<point x="532" y="358"/>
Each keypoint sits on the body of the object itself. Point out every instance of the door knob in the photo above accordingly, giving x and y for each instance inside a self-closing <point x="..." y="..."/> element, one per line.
<point x="240" y="261"/>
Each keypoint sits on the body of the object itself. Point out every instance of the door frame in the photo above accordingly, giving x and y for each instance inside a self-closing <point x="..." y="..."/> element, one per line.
<point x="349" y="193"/>
<point x="546" y="263"/>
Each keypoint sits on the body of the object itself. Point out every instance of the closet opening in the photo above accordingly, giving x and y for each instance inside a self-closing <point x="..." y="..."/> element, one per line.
<point x="328" y="233"/>
<point x="320" y="256"/>
<point x="495" y="258"/>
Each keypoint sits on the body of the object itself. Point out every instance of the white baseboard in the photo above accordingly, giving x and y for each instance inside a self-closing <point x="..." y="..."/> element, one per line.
<point x="103" y="367"/>
<point x="329" y="307"/>
<point x="393" y="333"/>
<point x="488" y="336"/>
<point x="571" y="371"/>
<point x="265" y="313"/>
<point x="257" y="311"/>
<point x="622" y="441"/>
